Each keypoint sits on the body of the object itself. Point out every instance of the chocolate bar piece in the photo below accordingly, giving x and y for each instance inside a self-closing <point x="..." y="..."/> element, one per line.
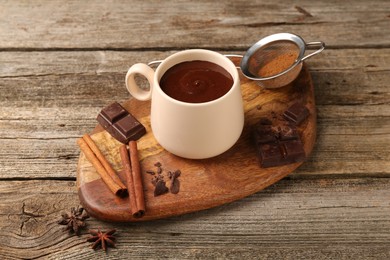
<point x="288" y="133"/>
<point x="263" y="132"/>
<point x="296" y="113"/>
<point x="120" y="124"/>
<point x="281" y="153"/>
<point x="270" y="155"/>
<point x="293" y="151"/>
<point x="278" y="145"/>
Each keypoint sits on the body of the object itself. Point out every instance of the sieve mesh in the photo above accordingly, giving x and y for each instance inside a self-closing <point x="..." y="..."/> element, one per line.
<point x="273" y="58"/>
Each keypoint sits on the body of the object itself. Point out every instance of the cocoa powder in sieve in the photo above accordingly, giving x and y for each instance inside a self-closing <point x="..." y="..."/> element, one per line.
<point x="278" y="64"/>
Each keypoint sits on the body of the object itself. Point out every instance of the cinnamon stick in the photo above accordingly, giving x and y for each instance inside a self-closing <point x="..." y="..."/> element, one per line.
<point x="112" y="185"/>
<point x="132" y="170"/>
<point x="103" y="160"/>
<point x="137" y="177"/>
<point x="130" y="183"/>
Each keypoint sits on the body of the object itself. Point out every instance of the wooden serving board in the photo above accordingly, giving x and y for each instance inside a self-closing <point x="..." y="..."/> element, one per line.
<point x="203" y="183"/>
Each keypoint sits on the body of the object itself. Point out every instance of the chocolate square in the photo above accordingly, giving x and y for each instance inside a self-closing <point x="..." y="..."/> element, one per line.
<point x="113" y="112"/>
<point x="263" y="132"/>
<point x="294" y="151"/>
<point x="270" y="155"/>
<point x="123" y="126"/>
<point x="278" y="143"/>
<point x="296" y="113"/>
<point x="130" y="128"/>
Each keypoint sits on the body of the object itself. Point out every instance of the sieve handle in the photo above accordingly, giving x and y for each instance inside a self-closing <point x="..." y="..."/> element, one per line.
<point x="234" y="56"/>
<point x="314" y="44"/>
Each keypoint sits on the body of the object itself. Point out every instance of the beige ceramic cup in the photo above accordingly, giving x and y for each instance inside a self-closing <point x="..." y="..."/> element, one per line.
<point x="191" y="130"/>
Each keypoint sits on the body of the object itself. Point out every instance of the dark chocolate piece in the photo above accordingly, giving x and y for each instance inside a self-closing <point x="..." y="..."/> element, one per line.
<point x="120" y="124"/>
<point x="270" y="155"/>
<point x="263" y="132"/>
<point x="175" y="183"/>
<point x="296" y="113"/>
<point x="294" y="151"/>
<point x="175" y="186"/>
<point x="278" y="145"/>
<point x="156" y="179"/>
<point x="113" y="113"/>
<point x="160" y="188"/>
<point x="288" y="133"/>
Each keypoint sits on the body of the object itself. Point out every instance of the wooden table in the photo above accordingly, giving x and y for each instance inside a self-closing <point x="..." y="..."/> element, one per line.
<point x="62" y="61"/>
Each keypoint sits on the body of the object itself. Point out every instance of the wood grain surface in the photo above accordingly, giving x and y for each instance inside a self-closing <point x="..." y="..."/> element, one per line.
<point x="62" y="61"/>
<point x="229" y="24"/>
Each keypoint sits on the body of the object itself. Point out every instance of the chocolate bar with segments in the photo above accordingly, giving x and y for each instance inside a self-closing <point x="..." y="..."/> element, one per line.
<point x="122" y="125"/>
<point x="296" y="113"/>
<point x="278" y="145"/>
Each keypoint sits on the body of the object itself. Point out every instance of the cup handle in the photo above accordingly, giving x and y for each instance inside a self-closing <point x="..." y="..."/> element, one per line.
<point x="310" y="44"/>
<point x="131" y="85"/>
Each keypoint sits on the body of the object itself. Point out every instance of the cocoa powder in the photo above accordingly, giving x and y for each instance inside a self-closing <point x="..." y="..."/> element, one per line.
<point x="278" y="64"/>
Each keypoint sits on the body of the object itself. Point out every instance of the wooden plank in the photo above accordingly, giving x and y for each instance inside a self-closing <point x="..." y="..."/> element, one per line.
<point x="364" y="152"/>
<point x="47" y="24"/>
<point x="40" y="91"/>
<point x="290" y="219"/>
<point x="98" y="63"/>
<point x="50" y="79"/>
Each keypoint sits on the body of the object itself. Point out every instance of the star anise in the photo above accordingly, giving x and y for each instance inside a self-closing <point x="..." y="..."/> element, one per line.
<point x="75" y="221"/>
<point x="102" y="239"/>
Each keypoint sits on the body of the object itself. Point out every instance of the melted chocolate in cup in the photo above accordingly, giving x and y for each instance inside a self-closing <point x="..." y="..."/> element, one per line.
<point x="196" y="81"/>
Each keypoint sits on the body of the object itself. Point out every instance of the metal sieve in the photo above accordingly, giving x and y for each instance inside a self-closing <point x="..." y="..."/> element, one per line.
<point x="276" y="60"/>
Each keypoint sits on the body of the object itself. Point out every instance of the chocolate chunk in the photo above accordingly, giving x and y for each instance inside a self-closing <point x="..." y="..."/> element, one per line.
<point x="278" y="145"/>
<point x="156" y="179"/>
<point x="265" y="135"/>
<point x="175" y="186"/>
<point x="281" y="153"/>
<point x="270" y="155"/>
<point x="263" y="132"/>
<point x="113" y="113"/>
<point x="175" y="183"/>
<point x="160" y="188"/>
<point x="120" y="124"/>
<point x="294" y="151"/>
<point x="288" y="133"/>
<point x="296" y="113"/>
